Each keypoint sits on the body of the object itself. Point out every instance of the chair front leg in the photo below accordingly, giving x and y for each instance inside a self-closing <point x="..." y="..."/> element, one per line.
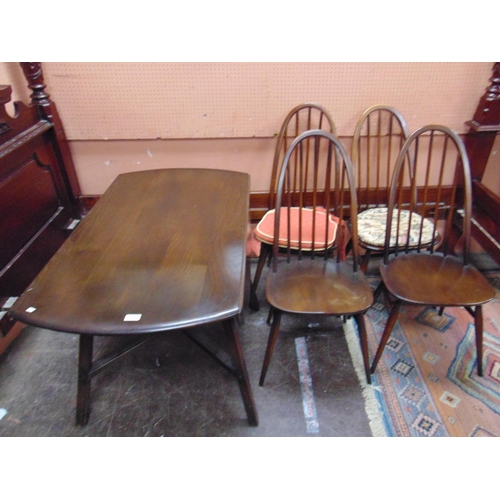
<point x="478" y="323"/>
<point x="380" y="288"/>
<point x="365" y="260"/>
<point x="360" y="321"/>
<point x="387" y="332"/>
<point x="265" y="250"/>
<point x="271" y="342"/>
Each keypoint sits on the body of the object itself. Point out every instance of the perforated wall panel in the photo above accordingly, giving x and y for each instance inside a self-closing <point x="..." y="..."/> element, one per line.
<point x="208" y="100"/>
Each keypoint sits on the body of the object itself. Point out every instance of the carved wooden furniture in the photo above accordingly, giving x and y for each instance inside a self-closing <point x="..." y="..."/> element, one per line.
<point x="479" y="141"/>
<point x="301" y="118"/>
<point x="419" y="275"/>
<point x="308" y="279"/>
<point x="39" y="190"/>
<point x="162" y="250"/>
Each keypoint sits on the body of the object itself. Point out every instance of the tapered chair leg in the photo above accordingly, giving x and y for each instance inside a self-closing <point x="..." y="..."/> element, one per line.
<point x="378" y="291"/>
<point x="270" y="316"/>
<point x="360" y="321"/>
<point x="273" y="336"/>
<point x="348" y="247"/>
<point x="387" y="332"/>
<point x="265" y="250"/>
<point x="365" y="261"/>
<point x="478" y="323"/>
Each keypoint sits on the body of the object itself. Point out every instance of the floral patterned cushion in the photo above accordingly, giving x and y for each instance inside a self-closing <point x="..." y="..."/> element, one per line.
<point x="372" y="224"/>
<point x="264" y="231"/>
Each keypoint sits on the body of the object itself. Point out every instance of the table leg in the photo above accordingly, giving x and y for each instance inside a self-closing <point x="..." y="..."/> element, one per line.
<point x="84" y="367"/>
<point x="240" y="371"/>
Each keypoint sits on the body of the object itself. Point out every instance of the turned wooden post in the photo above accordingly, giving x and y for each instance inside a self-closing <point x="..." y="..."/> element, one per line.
<point x="41" y="100"/>
<point x="479" y="142"/>
<point x="484" y="126"/>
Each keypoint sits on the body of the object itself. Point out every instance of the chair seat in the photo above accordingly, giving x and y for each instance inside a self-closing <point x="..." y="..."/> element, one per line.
<point x="435" y="279"/>
<point x="318" y="287"/>
<point x="264" y="230"/>
<point x="372" y="224"/>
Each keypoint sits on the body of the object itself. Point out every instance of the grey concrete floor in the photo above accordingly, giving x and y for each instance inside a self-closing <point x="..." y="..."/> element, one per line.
<point x="170" y="387"/>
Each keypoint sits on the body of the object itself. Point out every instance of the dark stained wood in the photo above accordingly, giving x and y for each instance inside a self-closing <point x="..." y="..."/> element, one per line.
<point x="378" y="137"/>
<point x="417" y="275"/>
<point x="150" y="230"/>
<point x="313" y="282"/>
<point x="486" y="219"/>
<point x="37" y="200"/>
<point x="479" y="141"/>
<point x="168" y="245"/>
<point x="47" y="108"/>
<point x="301" y="118"/>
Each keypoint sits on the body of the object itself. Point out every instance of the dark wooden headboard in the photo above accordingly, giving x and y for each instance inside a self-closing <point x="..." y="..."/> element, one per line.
<point x="479" y="141"/>
<point x="39" y="190"/>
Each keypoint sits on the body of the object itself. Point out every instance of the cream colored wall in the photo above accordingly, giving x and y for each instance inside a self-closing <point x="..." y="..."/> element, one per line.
<point x="121" y="117"/>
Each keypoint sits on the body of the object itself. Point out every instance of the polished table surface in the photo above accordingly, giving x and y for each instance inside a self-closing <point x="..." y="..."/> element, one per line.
<point x="161" y="250"/>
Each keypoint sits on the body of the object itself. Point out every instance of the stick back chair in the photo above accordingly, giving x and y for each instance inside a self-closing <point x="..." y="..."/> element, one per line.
<point x="416" y="274"/>
<point x="303" y="117"/>
<point x="306" y="278"/>
<point x="378" y="138"/>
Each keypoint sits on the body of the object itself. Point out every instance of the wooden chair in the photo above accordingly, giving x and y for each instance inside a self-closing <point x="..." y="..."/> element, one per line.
<point x="300" y="119"/>
<point x="316" y="177"/>
<point x="378" y="138"/>
<point x="417" y="275"/>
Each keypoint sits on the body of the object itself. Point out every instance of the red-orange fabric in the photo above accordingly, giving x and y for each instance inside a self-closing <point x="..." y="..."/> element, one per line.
<point x="264" y="231"/>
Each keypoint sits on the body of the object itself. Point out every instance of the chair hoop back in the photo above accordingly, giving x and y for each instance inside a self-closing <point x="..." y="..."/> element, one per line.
<point x="307" y="116"/>
<point x="438" y="183"/>
<point x="378" y="137"/>
<point x="316" y="175"/>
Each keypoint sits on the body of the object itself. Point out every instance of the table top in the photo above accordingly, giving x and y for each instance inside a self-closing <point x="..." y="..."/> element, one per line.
<point x="161" y="250"/>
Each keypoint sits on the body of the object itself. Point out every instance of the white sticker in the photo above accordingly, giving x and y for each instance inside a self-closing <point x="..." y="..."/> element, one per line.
<point x="31" y="309"/>
<point x="73" y="224"/>
<point x="2" y="314"/>
<point x="3" y="412"/>
<point x="9" y="302"/>
<point x="132" y="317"/>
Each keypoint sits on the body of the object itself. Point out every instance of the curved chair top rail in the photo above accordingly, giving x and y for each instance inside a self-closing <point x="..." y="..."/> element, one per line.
<point x="340" y="178"/>
<point x="359" y="126"/>
<point x="281" y="143"/>
<point x="374" y="162"/>
<point x="461" y="174"/>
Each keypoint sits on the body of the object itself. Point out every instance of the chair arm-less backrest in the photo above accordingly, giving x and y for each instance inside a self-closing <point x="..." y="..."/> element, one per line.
<point x="439" y="184"/>
<point x="378" y="137"/>
<point x="317" y="174"/>
<point x="307" y="116"/>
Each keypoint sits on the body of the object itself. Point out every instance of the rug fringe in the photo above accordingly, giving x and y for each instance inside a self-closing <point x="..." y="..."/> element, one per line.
<point x="372" y="406"/>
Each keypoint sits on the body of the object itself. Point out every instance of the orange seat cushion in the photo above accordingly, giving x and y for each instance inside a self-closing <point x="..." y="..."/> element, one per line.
<point x="264" y="231"/>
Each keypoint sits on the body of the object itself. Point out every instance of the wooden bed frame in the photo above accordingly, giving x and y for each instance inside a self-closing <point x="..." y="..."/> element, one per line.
<point x="40" y="198"/>
<point x="479" y="141"/>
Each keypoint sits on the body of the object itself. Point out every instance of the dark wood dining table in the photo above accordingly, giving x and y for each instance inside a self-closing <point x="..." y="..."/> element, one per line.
<point x="162" y="250"/>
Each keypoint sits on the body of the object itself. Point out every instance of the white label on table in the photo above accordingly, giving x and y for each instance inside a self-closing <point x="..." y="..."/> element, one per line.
<point x="9" y="302"/>
<point x="73" y="224"/>
<point x="132" y="317"/>
<point x="31" y="309"/>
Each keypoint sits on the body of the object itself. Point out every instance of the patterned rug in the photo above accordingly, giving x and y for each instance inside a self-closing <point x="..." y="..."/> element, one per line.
<point x="426" y="382"/>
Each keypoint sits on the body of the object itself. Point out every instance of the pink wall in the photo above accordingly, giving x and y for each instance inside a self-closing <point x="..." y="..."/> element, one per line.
<point x="99" y="162"/>
<point x="120" y="117"/>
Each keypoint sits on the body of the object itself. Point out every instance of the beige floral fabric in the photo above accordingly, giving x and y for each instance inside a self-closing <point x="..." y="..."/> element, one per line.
<point x="372" y="224"/>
